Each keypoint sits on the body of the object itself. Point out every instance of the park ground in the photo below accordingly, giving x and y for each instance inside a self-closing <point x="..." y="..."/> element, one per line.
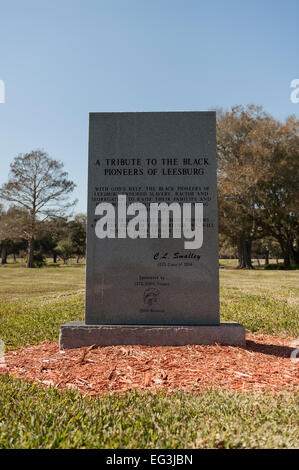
<point x="33" y="305"/>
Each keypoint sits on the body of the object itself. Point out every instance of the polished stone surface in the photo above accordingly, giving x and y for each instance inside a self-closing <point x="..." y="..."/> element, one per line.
<point x="152" y="281"/>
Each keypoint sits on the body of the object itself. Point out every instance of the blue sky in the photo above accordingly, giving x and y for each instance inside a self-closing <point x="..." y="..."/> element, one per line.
<point x="62" y="59"/>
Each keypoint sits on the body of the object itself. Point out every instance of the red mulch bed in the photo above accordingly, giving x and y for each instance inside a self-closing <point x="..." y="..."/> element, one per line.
<point x="264" y="364"/>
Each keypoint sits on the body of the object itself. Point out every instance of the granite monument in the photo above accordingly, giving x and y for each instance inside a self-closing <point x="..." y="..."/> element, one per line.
<point x="152" y="270"/>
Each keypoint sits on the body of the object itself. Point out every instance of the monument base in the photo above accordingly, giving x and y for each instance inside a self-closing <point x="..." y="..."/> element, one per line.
<point x="78" y="334"/>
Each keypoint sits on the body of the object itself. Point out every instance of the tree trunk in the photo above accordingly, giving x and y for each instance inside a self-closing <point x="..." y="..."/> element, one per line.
<point x="294" y="255"/>
<point x="286" y="259"/>
<point x="285" y="253"/>
<point x="30" y="253"/>
<point x="244" y="252"/>
<point x="54" y="254"/>
<point x="3" y="255"/>
<point x="266" y="257"/>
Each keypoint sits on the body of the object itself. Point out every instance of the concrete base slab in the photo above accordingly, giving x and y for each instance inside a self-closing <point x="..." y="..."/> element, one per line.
<point x="78" y="334"/>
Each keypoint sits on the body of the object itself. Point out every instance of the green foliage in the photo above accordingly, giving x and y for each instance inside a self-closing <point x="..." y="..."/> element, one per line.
<point x="39" y="260"/>
<point x="32" y="417"/>
<point x="65" y="249"/>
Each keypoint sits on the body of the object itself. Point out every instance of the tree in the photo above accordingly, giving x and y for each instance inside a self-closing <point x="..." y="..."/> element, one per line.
<point x="65" y="249"/>
<point x="38" y="184"/>
<point x="258" y="159"/>
<point x="12" y="233"/>
<point x="277" y="194"/>
<point x="264" y="248"/>
<point x="239" y="159"/>
<point x="50" y="233"/>
<point x="3" y="235"/>
<point x="77" y="230"/>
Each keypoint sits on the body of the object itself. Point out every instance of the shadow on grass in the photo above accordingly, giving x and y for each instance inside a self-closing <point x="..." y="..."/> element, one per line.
<point x="269" y="349"/>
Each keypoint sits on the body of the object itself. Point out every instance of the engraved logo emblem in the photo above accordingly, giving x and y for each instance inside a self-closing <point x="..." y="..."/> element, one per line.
<point x="150" y="296"/>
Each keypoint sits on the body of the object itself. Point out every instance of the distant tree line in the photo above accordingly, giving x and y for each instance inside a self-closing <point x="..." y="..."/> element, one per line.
<point x="57" y="238"/>
<point x="258" y="195"/>
<point x="37" y="221"/>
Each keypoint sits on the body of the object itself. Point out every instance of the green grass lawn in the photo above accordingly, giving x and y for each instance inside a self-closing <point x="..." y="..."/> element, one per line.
<point x="51" y="419"/>
<point x="35" y="302"/>
<point x="263" y="301"/>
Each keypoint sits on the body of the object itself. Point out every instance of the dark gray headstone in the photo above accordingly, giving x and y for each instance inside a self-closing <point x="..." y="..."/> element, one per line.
<point x="152" y="157"/>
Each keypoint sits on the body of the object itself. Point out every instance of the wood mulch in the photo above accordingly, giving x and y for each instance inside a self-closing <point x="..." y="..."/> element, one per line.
<point x="264" y="364"/>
